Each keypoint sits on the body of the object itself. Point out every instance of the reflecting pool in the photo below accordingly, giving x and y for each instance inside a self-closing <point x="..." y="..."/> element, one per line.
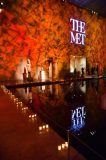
<point x="76" y="111"/>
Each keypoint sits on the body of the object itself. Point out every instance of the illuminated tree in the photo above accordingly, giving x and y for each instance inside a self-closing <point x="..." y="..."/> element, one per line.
<point x="40" y="29"/>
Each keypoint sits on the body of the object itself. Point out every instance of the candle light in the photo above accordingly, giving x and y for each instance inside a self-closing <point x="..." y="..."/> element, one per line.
<point x="43" y="126"/>
<point x="47" y="126"/>
<point x="40" y="128"/>
<point x="59" y="148"/>
<point x="66" y="144"/>
<point x="63" y="146"/>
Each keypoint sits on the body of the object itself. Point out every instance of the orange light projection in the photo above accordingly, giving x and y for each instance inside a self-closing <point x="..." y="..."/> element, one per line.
<point x="41" y="30"/>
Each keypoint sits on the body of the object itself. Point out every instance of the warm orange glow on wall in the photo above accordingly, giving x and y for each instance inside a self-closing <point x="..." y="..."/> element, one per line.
<point x="41" y="29"/>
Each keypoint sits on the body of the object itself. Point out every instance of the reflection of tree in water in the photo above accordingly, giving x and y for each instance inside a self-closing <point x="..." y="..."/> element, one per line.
<point x="74" y="94"/>
<point x="95" y="83"/>
<point x="49" y="99"/>
<point x="50" y="106"/>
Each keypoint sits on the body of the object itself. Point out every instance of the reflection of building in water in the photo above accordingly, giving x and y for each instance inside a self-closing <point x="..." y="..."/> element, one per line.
<point x="50" y="89"/>
<point x="95" y="83"/>
<point x="78" y="119"/>
<point x="75" y="94"/>
<point x="83" y="86"/>
<point x="30" y="97"/>
<point x="72" y="91"/>
<point x="26" y="94"/>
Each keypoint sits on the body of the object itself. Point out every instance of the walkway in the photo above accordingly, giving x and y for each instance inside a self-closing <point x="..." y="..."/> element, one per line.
<point x="22" y="139"/>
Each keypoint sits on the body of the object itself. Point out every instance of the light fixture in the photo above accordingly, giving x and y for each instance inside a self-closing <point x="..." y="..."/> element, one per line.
<point x="93" y="12"/>
<point x="63" y="0"/>
<point x="1" y="6"/>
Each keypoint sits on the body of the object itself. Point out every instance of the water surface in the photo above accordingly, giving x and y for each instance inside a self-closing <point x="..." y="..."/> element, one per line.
<point x="75" y="110"/>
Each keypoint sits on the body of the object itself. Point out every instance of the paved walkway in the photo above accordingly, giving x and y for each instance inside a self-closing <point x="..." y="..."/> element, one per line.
<point x="21" y="139"/>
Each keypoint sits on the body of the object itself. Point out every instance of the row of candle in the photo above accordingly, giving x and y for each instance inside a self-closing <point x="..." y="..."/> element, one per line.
<point x="32" y="116"/>
<point x="43" y="127"/>
<point x="63" y="146"/>
<point x="17" y="101"/>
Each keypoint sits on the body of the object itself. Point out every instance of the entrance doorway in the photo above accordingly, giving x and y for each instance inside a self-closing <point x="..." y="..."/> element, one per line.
<point x="77" y="63"/>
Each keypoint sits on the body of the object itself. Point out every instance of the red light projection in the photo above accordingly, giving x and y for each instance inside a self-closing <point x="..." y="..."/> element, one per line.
<point x="40" y="30"/>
